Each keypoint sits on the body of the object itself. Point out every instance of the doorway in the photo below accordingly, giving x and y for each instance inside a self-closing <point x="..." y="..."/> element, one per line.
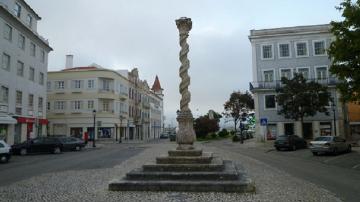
<point x="307" y="131"/>
<point x="289" y="128"/>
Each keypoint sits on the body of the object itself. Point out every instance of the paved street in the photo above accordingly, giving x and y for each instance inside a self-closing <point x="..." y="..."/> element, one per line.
<point x="104" y="156"/>
<point x="338" y="174"/>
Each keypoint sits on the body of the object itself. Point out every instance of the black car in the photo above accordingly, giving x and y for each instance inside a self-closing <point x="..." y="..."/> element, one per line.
<point x="291" y="142"/>
<point x="71" y="143"/>
<point x="38" y="145"/>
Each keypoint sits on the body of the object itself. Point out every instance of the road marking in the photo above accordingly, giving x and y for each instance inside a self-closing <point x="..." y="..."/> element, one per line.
<point x="356" y="166"/>
<point x="334" y="158"/>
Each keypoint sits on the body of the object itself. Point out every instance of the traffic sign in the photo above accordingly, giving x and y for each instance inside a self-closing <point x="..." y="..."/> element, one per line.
<point x="263" y="121"/>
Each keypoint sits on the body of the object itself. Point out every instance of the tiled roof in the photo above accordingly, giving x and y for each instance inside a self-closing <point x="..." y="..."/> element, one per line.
<point x="79" y="68"/>
<point x="156" y="86"/>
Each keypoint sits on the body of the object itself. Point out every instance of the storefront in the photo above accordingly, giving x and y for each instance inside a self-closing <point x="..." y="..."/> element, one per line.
<point x="5" y="122"/>
<point x="33" y="126"/>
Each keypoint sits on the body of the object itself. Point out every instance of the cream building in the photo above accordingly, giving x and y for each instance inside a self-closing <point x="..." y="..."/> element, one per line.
<point x="119" y="98"/>
<point x="23" y="68"/>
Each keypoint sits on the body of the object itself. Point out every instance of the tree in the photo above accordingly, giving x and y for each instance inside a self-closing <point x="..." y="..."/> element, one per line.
<point x="238" y="105"/>
<point x="344" y="51"/>
<point x="299" y="98"/>
<point x="203" y="126"/>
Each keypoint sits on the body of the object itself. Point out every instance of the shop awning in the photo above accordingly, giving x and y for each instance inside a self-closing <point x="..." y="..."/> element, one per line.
<point x="6" y="119"/>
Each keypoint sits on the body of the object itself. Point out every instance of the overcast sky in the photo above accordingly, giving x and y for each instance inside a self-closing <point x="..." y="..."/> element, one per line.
<point x="122" y="34"/>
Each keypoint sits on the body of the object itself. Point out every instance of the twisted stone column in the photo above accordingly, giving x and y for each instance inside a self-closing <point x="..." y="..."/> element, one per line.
<point x="186" y="135"/>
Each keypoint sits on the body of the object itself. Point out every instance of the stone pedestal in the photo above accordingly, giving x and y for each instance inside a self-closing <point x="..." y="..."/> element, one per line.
<point x="186" y="170"/>
<point x="185" y="136"/>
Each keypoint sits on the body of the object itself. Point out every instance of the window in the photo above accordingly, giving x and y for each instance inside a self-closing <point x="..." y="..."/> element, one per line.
<point x="301" y="49"/>
<point x="17" y="10"/>
<point x="321" y="73"/>
<point x="18" y="98"/>
<point x="60" y="85"/>
<point x="4" y="95"/>
<point x="304" y="71"/>
<point x="48" y="85"/>
<point x="42" y="56"/>
<point x="41" y="78"/>
<point x="267" y="51"/>
<point x="269" y="76"/>
<point x="90" y="104"/>
<point x="20" y="68"/>
<point x="105" y="106"/>
<point x="21" y="42"/>
<point x="7" y="32"/>
<point x="270" y="102"/>
<point x="76" y="104"/>
<point x="31" y="74"/>
<point x="106" y="85"/>
<point x="59" y="104"/>
<point x="32" y="49"/>
<point x="40" y="104"/>
<point x="76" y="84"/>
<point x="90" y="83"/>
<point x="285" y="73"/>
<point x="48" y="106"/>
<point x="29" y="20"/>
<point x="284" y="50"/>
<point x="31" y="101"/>
<point x="5" y="62"/>
<point x="319" y="47"/>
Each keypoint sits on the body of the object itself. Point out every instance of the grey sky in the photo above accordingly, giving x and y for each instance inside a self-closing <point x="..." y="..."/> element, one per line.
<point x="121" y="34"/>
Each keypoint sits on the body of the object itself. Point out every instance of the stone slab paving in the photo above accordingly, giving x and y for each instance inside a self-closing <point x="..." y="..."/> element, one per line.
<point x="91" y="185"/>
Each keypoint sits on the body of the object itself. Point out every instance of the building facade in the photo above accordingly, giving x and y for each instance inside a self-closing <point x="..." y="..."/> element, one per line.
<point x="23" y="73"/>
<point x="281" y="52"/>
<point x="120" y="105"/>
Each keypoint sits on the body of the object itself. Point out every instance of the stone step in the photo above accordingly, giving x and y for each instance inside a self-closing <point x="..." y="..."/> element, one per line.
<point x="194" y="152"/>
<point x="243" y="185"/>
<point x="229" y="173"/>
<point x="216" y="165"/>
<point x="204" y="159"/>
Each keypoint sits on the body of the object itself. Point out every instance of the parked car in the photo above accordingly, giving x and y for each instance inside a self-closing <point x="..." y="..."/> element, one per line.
<point x="329" y="144"/>
<point x="291" y="142"/>
<point x="5" y="152"/>
<point x="38" y="145"/>
<point x="71" y="143"/>
<point x="164" y="136"/>
<point x="172" y="136"/>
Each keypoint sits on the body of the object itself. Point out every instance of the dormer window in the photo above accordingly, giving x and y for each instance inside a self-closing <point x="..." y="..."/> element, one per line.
<point x="17" y="10"/>
<point x="29" y="20"/>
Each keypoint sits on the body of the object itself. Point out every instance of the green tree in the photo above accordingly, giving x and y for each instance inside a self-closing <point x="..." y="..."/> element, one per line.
<point x="238" y="105"/>
<point x="299" y="98"/>
<point x="344" y="51"/>
<point x="203" y="126"/>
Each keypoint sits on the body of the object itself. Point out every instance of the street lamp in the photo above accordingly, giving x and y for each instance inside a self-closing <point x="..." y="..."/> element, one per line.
<point x="121" y="118"/>
<point x="94" y="114"/>
<point x="333" y="107"/>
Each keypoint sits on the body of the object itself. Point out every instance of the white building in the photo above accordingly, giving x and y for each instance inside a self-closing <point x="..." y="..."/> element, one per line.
<point x="281" y="52"/>
<point x="23" y="68"/>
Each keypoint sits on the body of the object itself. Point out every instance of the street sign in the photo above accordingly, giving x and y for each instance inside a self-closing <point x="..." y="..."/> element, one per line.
<point x="263" y="121"/>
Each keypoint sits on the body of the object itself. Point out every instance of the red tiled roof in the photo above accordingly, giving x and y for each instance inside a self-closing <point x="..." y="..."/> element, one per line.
<point x="80" y="68"/>
<point x="156" y="86"/>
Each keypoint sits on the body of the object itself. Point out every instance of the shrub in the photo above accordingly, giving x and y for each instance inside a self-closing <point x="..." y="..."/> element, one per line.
<point x="232" y="132"/>
<point x="213" y="135"/>
<point x="223" y="133"/>
<point x="235" y="138"/>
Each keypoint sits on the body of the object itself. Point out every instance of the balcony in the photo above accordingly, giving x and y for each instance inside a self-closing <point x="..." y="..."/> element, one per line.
<point x="264" y="85"/>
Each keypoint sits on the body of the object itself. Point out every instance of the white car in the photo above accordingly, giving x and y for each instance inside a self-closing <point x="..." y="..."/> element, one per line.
<point x="5" y="152"/>
<point x="329" y="144"/>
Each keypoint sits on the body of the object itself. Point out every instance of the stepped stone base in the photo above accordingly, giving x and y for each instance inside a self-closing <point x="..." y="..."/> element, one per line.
<point x="186" y="170"/>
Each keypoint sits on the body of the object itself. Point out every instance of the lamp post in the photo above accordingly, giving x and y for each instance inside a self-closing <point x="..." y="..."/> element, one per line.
<point x="333" y="109"/>
<point x="94" y="114"/>
<point x="121" y="118"/>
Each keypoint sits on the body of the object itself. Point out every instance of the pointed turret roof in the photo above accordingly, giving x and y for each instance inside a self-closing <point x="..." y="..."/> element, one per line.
<point x="156" y="86"/>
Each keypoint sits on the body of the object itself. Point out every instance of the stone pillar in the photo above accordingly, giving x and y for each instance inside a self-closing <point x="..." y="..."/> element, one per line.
<point x="185" y="137"/>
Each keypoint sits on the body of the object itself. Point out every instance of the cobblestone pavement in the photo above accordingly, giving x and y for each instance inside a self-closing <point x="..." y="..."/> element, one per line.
<point x="91" y="185"/>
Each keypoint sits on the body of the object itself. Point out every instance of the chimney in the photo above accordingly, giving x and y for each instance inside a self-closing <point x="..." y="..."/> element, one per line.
<point x="69" y="61"/>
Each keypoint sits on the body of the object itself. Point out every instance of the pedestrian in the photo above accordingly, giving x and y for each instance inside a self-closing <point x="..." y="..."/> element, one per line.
<point x="86" y="137"/>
